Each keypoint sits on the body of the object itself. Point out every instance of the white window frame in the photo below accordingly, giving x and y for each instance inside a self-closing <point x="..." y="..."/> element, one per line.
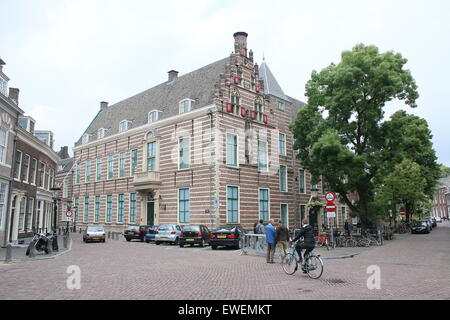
<point x="237" y="150"/>
<point x="65" y="188"/>
<point x="20" y="166"/>
<point x="101" y="133"/>
<point x="85" y="139"/>
<point x="285" y="178"/>
<point x="28" y="168"/>
<point x="98" y="169"/>
<point x="124" y="125"/>
<point x="267" y="155"/>
<point x="189" y="153"/>
<point x="300" y="181"/>
<point x="157" y="117"/>
<point x="268" y="203"/>
<point x="135" y="208"/>
<point x="36" y="168"/>
<point x="279" y="145"/>
<point x="239" y="203"/>
<point x="280" y="103"/>
<point x="181" y="105"/>
<point x="131" y="162"/>
<point x="287" y="214"/>
<point x="123" y="209"/>
<point x="4" y="145"/>
<point x="178" y="205"/>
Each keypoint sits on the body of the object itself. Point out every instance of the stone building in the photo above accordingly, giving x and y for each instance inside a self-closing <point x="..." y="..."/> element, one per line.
<point x="441" y="199"/>
<point x="9" y="112"/>
<point x="212" y="146"/>
<point x="64" y="179"/>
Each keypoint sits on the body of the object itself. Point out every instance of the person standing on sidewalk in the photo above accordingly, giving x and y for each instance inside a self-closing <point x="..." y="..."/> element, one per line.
<point x="260" y="227"/>
<point x="282" y="237"/>
<point x="271" y="242"/>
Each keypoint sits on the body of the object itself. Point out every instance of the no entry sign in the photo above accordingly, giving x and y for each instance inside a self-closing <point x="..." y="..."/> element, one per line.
<point x="331" y="207"/>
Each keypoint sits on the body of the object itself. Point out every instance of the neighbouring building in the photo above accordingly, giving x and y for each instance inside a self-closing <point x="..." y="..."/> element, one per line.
<point x="64" y="179"/>
<point x="33" y="176"/>
<point x="9" y="112"/>
<point x="441" y="199"/>
<point x="212" y="146"/>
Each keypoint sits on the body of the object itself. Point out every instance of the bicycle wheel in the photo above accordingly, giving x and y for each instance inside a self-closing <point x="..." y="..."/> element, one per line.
<point x="314" y="267"/>
<point x="350" y="243"/>
<point x="290" y="264"/>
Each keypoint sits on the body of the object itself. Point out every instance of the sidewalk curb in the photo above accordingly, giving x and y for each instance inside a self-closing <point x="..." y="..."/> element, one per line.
<point x="37" y="258"/>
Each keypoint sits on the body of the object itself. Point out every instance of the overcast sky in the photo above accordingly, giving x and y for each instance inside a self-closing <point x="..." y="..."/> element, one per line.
<point x="66" y="56"/>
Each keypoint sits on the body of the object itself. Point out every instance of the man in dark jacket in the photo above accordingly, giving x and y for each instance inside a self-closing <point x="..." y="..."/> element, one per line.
<point x="282" y="237"/>
<point x="309" y="243"/>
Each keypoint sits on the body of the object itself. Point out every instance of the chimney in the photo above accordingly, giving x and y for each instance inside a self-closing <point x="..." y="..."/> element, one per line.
<point x="240" y="43"/>
<point x="103" y="105"/>
<point x="2" y="63"/>
<point x="64" y="152"/>
<point x="172" y="75"/>
<point x="14" y="95"/>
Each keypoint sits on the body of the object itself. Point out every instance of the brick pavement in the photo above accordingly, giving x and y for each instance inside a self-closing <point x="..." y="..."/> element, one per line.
<point x="413" y="267"/>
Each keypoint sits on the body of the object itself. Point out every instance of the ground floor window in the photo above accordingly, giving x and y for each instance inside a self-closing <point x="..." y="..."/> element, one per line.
<point x="97" y="209"/>
<point x="120" y="208"/>
<point x="29" y="217"/>
<point x="232" y="205"/>
<point x="264" y="204"/>
<point x="284" y="213"/>
<point x="109" y="208"/>
<point x="132" y="207"/>
<point x="302" y="212"/>
<point x="183" y="206"/>
<point x="3" y="188"/>
<point x="86" y="209"/>
<point x="22" y="213"/>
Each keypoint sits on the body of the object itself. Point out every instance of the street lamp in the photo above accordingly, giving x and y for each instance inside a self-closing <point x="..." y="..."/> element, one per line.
<point x="55" y="215"/>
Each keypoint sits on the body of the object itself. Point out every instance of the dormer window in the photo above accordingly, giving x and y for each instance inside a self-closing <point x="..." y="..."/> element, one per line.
<point x="124" y="125"/>
<point x="185" y="105"/>
<point x="101" y="133"/>
<point x="85" y="138"/>
<point x="27" y="123"/>
<point x="281" y="106"/>
<point x="154" y="116"/>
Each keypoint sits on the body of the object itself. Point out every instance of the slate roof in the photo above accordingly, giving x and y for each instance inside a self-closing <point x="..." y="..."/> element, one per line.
<point x="271" y="85"/>
<point x="198" y="85"/>
<point x="66" y="164"/>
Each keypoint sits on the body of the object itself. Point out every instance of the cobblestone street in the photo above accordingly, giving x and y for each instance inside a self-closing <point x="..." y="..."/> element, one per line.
<point x="412" y="267"/>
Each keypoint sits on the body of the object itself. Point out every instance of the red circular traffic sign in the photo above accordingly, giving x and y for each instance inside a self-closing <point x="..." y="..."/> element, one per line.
<point x="330" y="196"/>
<point x="68" y="213"/>
<point x="331" y="207"/>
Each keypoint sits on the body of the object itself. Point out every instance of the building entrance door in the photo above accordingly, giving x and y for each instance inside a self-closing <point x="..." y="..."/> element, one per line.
<point x="150" y="209"/>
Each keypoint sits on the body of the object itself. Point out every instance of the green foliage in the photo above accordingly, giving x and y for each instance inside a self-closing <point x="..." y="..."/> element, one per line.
<point x="445" y="171"/>
<point x="339" y="134"/>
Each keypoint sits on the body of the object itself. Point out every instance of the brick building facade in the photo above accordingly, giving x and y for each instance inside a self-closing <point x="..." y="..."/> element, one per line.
<point x="441" y="199"/>
<point x="211" y="147"/>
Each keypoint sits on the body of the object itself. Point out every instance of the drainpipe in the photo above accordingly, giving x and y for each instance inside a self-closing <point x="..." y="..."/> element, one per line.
<point x="210" y="114"/>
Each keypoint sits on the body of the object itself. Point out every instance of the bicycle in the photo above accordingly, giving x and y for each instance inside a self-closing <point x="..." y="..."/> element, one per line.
<point x="312" y="263"/>
<point x="322" y="240"/>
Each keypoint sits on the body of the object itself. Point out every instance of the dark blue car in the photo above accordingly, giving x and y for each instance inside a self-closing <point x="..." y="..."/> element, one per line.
<point x="150" y="235"/>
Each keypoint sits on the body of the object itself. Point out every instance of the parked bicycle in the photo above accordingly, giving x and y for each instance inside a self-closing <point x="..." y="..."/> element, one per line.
<point x="312" y="263"/>
<point x="322" y="240"/>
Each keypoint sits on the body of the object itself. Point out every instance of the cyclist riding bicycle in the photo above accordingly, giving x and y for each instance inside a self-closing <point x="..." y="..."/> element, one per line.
<point x="307" y="232"/>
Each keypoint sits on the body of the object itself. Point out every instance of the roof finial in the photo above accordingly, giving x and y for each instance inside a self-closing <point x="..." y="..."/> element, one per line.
<point x="264" y="58"/>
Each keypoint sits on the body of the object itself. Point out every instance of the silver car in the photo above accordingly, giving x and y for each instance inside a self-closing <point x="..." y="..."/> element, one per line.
<point x="94" y="233"/>
<point x="168" y="233"/>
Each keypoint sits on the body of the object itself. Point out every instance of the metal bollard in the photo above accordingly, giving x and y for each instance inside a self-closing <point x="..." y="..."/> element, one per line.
<point x="65" y="238"/>
<point x="109" y="234"/>
<point x="8" y="257"/>
<point x="50" y="246"/>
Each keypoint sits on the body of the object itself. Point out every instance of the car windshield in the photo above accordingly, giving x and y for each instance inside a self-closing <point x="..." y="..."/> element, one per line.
<point x="133" y="228"/>
<point x="95" y="229"/>
<point x="191" y="228"/>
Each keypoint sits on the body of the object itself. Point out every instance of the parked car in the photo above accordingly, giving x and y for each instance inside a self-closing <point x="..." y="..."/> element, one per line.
<point x="135" y="233"/>
<point x="438" y="219"/>
<point x="168" y="233"/>
<point x="430" y="224"/>
<point x="420" y="227"/>
<point x="433" y="221"/>
<point x="94" y="233"/>
<point x="228" y="236"/>
<point x="150" y="235"/>
<point x="198" y="234"/>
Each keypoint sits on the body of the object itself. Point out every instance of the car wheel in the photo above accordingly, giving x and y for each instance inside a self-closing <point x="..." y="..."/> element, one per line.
<point x="214" y="247"/>
<point x="128" y="239"/>
<point x="191" y="245"/>
<point x="177" y="240"/>
<point x="181" y="245"/>
<point x="147" y="241"/>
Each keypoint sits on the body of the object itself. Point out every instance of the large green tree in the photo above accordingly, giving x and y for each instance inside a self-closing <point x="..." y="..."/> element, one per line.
<point x="340" y="134"/>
